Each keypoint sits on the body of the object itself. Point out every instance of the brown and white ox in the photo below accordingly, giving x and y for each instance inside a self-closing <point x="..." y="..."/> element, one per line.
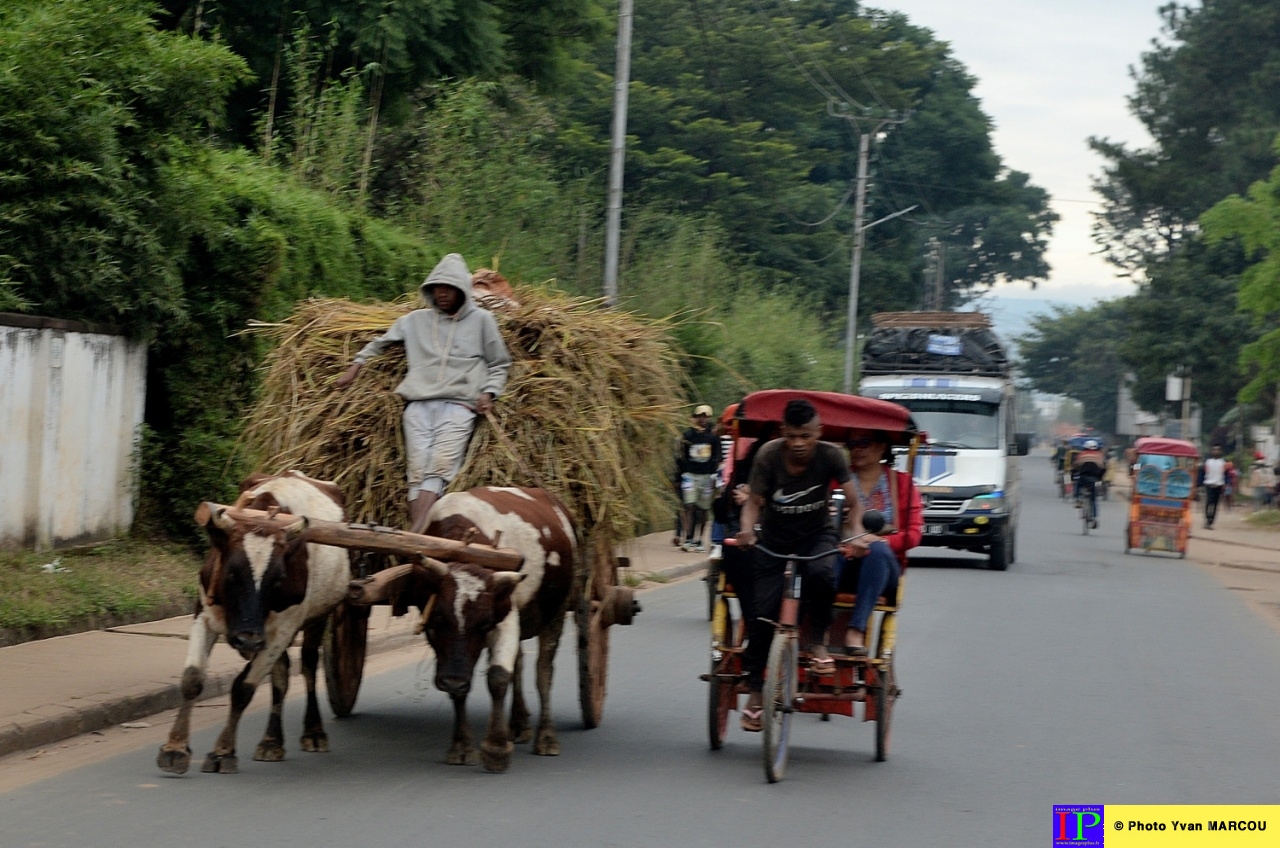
<point x="259" y="586"/>
<point x="476" y="608"/>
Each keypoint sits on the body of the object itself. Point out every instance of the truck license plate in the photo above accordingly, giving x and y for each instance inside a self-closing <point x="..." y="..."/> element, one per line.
<point x="935" y="529"/>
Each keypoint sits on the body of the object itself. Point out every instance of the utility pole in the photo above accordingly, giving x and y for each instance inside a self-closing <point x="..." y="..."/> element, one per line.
<point x="859" y="232"/>
<point x="617" y="158"/>
<point x="1186" y="406"/>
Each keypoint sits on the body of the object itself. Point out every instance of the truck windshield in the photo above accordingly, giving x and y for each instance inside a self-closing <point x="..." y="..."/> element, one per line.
<point x="958" y="423"/>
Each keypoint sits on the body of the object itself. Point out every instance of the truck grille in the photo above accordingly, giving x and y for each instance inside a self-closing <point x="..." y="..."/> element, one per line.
<point x="945" y="506"/>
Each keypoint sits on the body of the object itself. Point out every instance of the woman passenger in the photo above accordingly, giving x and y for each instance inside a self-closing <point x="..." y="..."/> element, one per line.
<point x="893" y="494"/>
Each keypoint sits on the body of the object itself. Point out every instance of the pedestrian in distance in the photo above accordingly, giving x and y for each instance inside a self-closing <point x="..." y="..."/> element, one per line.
<point x="1214" y="472"/>
<point x="458" y="367"/>
<point x="1263" y="483"/>
<point x="698" y="461"/>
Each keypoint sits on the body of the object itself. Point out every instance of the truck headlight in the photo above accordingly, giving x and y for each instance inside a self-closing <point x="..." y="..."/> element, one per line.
<point x="991" y="502"/>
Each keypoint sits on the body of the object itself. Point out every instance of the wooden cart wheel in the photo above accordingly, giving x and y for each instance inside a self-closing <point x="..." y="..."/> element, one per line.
<point x="345" y="640"/>
<point x="593" y="660"/>
<point x="780" y="681"/>
<point x="886" y="695"/>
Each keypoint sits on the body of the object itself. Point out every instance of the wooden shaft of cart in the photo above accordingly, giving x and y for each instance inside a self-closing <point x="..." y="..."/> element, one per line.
<point x="368" y="537"/>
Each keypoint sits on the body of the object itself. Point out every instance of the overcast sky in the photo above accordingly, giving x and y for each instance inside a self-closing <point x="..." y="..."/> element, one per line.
<point x="1050" y="74"/>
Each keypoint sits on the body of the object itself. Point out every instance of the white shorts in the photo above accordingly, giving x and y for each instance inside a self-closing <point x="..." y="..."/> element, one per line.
<point x="436" y="433"/>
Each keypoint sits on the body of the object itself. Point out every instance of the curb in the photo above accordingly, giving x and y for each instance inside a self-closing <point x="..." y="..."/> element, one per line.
<point x="53" y="723"/>
<point x="674" y="572"/>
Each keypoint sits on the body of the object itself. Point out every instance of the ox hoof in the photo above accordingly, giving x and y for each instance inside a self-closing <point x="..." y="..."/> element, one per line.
<point x="174" y="761"/>
<point x="521" y="735"/>
<point x="220" y="764"/>
<point x="496" y="758"/>
<point x="460" y="756"/>
<point x="547" y="745"/>
<point x="315" y="742"/>
<point x="269" y="751"/>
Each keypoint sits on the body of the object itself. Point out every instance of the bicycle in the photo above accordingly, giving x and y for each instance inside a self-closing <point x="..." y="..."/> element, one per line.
<point x="790" y="687"/>
<point x="1088" y="502"/>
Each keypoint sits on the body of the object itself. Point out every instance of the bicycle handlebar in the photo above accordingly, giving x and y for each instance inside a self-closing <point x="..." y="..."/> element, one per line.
<point x="814" y="556"/>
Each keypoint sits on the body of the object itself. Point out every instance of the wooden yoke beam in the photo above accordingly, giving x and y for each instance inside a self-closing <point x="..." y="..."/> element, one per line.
<point x="369" y="537"/>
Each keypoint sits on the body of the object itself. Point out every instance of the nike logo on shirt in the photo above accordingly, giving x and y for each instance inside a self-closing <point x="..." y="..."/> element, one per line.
<point x="778" y="497"/>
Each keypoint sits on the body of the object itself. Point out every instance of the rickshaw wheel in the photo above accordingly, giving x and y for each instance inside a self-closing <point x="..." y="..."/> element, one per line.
<point x="722" y="696"/>
<point x="593" y="661"/>
<point x="779" y="693"/>
<point x="713" y="587"/>
<point x="886" y="695"/>
<point x="345" y="642"/>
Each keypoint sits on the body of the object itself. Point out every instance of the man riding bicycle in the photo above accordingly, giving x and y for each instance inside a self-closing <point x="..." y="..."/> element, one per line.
<point x="1087" y="469"/>
<point x="790" y="491"/>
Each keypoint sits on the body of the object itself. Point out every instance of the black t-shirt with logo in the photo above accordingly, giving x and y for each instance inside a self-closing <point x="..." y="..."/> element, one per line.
<point x="699" y="451"/>
<point x="795" y="508"/>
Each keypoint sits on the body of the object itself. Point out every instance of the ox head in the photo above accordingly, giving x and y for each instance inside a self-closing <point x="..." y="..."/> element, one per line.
<point x="470" y="602"/>
<point x="253" y="570"/>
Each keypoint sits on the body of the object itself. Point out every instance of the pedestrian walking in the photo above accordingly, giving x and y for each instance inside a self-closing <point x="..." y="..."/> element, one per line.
<point x="698" y="461"/>
<point x="458" y="366"/>
<point x="1214" y="472"/>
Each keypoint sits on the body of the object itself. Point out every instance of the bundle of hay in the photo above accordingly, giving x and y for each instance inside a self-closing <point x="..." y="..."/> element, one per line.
<point x="591" y="405"/>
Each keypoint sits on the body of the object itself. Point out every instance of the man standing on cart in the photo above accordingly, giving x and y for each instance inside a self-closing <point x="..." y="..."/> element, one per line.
<point x="457" y="367"/>
<point x="790" y="490"/>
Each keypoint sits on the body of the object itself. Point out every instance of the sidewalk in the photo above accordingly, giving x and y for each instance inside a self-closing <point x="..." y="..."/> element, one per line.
<point x="54" y="689"/>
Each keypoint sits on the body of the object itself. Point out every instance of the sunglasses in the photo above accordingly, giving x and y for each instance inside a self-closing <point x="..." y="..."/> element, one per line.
<point x="860" y="443"/>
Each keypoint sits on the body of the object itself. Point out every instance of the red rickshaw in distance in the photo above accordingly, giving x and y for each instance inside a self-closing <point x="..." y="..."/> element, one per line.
<point x="1164" y="489"/>
<point x="869" y="680"/>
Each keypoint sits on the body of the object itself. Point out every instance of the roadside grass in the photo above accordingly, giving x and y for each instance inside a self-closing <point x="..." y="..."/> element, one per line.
<point x="52" y="593"/>
<point x="1265" y="519"/>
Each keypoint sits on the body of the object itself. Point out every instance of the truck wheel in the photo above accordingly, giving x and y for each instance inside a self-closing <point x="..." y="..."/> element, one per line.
<point x="1001" y="550"/>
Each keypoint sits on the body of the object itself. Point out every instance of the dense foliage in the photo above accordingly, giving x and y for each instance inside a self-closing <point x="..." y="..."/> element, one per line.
<point x="742" y="110"/>
<point x="1209" y="95"/>
<point x="182" y="169"/>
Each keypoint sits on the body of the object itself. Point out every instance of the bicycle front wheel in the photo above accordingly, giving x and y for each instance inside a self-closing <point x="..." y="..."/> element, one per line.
<point x="779" y="693"/>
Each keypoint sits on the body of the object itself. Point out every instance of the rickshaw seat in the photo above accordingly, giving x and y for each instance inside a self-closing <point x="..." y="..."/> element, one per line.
<point x="846" y="600"/>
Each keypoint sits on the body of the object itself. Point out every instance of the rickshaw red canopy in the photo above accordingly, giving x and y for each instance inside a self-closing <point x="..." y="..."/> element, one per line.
<point x="1162" y="446"/>
<point x="761" y="412"/>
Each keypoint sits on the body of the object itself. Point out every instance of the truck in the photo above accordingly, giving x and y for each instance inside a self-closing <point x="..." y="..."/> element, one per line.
<point x="954" y="374"/>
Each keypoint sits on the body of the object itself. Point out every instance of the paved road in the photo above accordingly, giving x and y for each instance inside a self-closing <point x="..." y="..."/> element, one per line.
<point x="1079" y="676"/>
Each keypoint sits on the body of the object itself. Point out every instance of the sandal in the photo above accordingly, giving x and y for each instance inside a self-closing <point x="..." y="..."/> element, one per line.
<point x="822" y="666"/>
<point x="753" y="719"/>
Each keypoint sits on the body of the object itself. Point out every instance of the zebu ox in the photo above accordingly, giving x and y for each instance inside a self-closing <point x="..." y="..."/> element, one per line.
<point x="475" y="607"/>
<point x="259" y="586"/>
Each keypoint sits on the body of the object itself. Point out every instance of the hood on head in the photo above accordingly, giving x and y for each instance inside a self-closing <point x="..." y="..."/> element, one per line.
<point x="450" y="271"/>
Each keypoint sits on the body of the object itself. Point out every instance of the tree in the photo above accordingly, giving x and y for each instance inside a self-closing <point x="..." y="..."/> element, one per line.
<point x="1184" y="320"/>
<point x="409" y="42"/>
<point x="730" y="117"/>
<point x="1074" y="351"/>
<point x="1254" y="221"/>
<point x="1209" y="95"/>
<point x="96" y="105"/>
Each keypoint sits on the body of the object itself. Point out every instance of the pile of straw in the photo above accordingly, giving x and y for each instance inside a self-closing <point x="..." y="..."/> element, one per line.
<point x="591" y="405"/>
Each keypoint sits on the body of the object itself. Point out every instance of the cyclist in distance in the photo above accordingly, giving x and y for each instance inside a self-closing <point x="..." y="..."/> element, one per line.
<point x="790" y="492"/>
<point x="1088" y="468"/>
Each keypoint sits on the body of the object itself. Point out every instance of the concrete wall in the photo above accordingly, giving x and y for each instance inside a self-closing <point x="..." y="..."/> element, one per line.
<point x="71" y="405"/>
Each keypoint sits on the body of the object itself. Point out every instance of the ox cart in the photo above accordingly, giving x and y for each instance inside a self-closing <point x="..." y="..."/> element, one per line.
<point x="598" y="602"/>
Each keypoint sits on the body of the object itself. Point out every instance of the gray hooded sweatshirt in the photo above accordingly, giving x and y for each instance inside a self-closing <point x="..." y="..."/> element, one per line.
<point x="451" y="357"/>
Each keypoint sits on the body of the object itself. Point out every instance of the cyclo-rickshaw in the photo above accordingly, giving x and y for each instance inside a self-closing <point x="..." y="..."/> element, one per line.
<point x="1164" y="488"/>
<point x="789" y="687"/>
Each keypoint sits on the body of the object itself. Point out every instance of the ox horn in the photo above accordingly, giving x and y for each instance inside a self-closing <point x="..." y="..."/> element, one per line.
<point x="501" y="578"/>
<point x="297" y="528"/>
<point x="222" y="521"/>
<point x="435" y="568"/>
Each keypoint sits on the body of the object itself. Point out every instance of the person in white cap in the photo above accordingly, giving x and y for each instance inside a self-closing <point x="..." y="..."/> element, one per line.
<point x="698" y="461"/>
<point x="457" y="367"/>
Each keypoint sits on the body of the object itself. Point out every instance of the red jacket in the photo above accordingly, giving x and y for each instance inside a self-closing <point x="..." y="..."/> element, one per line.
<point x="909" y="520"/>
